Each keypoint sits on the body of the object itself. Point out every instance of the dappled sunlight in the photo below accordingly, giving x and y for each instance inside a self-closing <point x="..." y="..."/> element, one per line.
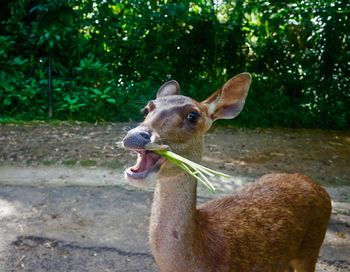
<point x="227" y="185"/>
<point x="6" y="209"/>
<point x="341" y="208"/>
<point x="338" y="231"/>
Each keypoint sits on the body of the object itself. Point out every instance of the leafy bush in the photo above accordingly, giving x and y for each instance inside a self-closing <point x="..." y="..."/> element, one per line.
<point x="109" y="57"/>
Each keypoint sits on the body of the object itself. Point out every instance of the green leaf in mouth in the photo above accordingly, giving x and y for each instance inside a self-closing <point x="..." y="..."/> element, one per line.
<point x="200" y="172"/>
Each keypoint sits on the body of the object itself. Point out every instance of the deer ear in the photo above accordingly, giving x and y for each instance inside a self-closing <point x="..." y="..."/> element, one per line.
<point x="228" y="101"/>
<point x="169" y="88"/>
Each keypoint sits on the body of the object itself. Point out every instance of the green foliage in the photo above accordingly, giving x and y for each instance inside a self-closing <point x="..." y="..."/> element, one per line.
<point x="109" y="57"/>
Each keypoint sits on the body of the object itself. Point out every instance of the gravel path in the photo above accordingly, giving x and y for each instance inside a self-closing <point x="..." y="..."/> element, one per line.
<point x="65" y="207"/>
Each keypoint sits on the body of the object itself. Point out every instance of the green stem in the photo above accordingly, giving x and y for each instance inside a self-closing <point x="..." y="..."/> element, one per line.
<point x="194" y="169"/>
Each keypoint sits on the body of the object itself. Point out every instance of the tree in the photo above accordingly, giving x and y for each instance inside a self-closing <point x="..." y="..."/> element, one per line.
<point x="109" y="57"/>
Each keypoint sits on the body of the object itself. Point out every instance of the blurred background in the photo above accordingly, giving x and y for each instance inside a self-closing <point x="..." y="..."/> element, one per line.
<point x="102" y="60"/>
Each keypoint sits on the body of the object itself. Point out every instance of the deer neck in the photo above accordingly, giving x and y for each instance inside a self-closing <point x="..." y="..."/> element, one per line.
<point x="173" y="220"/>
<point x="173" y="224"/>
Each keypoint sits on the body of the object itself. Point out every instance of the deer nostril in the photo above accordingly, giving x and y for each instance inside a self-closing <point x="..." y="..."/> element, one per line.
<point x="145" y="135"/>
<point x="137" y="139"/>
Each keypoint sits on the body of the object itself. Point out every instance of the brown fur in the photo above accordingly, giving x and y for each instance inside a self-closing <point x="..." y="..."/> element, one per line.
<point x="268" y="224"/>
<point x="277" y="223"/>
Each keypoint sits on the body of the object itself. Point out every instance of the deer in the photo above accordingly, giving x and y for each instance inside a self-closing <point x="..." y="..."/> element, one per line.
<point x="277" y="223"/>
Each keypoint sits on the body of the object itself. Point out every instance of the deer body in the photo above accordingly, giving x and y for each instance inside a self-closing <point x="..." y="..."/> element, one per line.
<point x="278" y="223"/>
<point x="263" y="227"/>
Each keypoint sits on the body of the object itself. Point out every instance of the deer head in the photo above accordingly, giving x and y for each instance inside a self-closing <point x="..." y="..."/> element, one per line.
<point x="178" y="123"/>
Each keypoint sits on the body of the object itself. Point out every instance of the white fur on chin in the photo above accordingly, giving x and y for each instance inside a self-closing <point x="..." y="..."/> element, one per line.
<point x="141" y="183"/>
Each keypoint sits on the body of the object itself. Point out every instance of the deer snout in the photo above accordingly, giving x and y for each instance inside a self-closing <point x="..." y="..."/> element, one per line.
<point x="137" y="138"/>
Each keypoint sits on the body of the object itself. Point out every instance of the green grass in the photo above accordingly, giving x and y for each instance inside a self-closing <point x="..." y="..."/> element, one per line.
<point x="49" y="162"/>
<point x="200" y="172"/>
<point x="70" y="162"/>
<point x="88" y="163"/>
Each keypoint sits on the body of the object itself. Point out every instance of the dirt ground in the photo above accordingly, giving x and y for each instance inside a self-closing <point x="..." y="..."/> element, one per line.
<point x="65" y="207"/>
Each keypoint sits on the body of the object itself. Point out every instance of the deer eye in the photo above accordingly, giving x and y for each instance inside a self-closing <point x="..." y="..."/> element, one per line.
<point x="145" y="111"/>
<point x="193" y="117"/>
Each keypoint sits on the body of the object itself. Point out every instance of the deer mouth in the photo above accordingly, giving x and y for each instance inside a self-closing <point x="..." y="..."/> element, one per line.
<point x="147" y="162"/>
